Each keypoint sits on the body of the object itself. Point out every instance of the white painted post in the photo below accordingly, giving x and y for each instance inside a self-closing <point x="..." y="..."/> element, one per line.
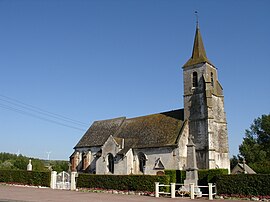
<point x="192" y="191"/>
<point x="53" y="179"/>
<point x="73" y="181"/>
<point x="172" y="190"/>
<point x="210" y="187"/>
<point x="156" y="189"/>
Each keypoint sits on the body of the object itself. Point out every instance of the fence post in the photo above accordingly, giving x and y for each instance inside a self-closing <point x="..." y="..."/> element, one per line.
<point x="210" y="188"/>
<point x="172" y="190"/>
<point x="157" y="189"/>
<point x="53" y="179"/>
<point x="73" y="181"/>
<point x="192" y="191"/>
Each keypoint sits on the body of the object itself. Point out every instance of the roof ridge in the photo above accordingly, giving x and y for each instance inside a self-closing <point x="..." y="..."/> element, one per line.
<point x="121" y="117"/>
<point x="159" y="113"/>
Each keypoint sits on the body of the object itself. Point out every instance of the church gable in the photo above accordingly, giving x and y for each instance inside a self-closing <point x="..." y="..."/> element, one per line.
<point x="110" y="146"/>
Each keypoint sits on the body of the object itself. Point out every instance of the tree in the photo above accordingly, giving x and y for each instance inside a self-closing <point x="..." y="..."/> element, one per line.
<point x="256" y="144"/>
<point x="60" y="166"/>
<point x="255" y="147"/>
<point x="234" y="160"/>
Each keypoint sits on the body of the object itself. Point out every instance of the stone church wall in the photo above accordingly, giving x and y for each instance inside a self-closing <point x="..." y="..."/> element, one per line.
<point x="165" y="155"/>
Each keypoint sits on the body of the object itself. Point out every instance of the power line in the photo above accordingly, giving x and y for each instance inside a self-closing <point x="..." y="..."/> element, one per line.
<point x="35" y="116"/>
<point x="39" y="110"/>
<point x="39" y="113"/>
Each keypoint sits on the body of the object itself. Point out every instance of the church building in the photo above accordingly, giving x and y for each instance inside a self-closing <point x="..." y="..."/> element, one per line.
<point x="152" y="143"/>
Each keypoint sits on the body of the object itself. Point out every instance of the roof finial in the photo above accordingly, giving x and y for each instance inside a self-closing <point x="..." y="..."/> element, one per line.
<point x="197" y="19"/>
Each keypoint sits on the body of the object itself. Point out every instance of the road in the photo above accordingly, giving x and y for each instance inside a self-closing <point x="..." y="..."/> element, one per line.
<point x="29" y="194"/>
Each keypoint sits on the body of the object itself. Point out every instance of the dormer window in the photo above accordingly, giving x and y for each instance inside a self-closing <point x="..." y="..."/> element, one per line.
<point x="194" y="79"/>
<point x="212" y="79"/>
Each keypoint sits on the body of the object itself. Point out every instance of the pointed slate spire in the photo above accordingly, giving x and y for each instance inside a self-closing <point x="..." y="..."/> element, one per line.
<point x="198" y="53"/>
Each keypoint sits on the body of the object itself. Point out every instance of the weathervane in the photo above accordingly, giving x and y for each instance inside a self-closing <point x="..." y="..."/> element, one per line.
<point x="197" y="18"/>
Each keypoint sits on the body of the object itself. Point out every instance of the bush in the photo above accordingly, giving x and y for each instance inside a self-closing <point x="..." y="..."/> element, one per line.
<point x="176" y="176"/>
<point x="244" y="184"/>
<point x="25" y="177"/>
<point x="121" y="182"/>
<point x="205" y="176"/>
<point x="210" y="176"/>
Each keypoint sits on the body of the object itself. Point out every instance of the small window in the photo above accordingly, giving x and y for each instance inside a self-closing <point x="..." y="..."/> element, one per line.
<point x="212" y="79"/>
<point x="194" y="79"/>
<point x="111" y="163"/>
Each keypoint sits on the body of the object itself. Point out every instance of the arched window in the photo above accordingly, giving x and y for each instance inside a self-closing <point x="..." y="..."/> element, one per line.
<point x="142" y="161"/>
<point x="212" y="79"/>
<point x="194" y="79"/>
<point x="111" y="163"/>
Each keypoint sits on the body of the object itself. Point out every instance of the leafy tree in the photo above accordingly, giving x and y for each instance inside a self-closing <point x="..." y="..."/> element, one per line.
<point x="60" y="166"/>
<point x="255" y="147"/>
<point x="233" y="161"/>
<point x="20" y="162"/>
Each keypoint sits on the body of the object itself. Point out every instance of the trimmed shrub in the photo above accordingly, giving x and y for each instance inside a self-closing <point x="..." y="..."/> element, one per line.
<point x="243" y="184"/>
<point x="25" y="177"/>
<point x="205" y="176"/>
<point x="176" y="176"/>
<point x="121" y="182"/>
<point x="210" y="175"/>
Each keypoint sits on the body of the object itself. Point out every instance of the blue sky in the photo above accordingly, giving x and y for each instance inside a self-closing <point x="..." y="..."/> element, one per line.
<point x="101" y="59"/>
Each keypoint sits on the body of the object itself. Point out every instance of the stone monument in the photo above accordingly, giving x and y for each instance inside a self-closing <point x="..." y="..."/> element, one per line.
<point x="191" y="169"/>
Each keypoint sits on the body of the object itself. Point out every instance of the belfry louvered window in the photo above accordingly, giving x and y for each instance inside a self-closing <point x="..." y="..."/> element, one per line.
<point x="194" y="79"/>
<point x="212" y="79"/>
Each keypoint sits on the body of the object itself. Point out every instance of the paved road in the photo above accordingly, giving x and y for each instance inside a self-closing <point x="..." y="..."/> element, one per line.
<point x="27" y="194"/>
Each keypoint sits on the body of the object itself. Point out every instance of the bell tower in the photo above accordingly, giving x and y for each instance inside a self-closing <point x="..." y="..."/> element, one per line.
<point x="204" y="108"/>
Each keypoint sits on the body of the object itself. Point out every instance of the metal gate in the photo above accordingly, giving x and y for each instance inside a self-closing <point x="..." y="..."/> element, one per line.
<point x="63" y="180"/>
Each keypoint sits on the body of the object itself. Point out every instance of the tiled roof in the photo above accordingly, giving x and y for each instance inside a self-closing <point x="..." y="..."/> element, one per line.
<point x="99" y="132"/>
<point x="242" y="168"/>
<point x="156" y="130"/>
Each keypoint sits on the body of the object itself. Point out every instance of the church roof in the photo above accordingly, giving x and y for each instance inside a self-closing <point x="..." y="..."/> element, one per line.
<point x="156" y="130"/>
<point x="242" y="168"/>
<point x="198" y="53"/>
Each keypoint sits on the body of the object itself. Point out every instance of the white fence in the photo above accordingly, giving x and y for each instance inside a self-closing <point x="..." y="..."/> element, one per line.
<point x="192" y="189"/>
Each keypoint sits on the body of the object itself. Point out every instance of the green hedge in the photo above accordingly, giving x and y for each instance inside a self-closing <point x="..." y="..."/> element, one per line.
<point x="210" y="175"/>
<point x="176" y="176"/>
<point x="26" y="177"/>
<point x="205" y="176"/>
<point x="244" y="184"/>
<point x="121" y="182"/>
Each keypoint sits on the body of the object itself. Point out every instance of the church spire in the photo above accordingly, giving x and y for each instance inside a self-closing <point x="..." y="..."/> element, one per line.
<point x="198" y="53"/>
